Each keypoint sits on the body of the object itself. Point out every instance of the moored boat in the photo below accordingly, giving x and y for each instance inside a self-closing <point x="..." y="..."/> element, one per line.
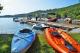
<point x="39" y="26"/>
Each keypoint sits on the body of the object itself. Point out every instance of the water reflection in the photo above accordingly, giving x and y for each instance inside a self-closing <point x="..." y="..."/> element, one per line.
<point x="7" y="25"/>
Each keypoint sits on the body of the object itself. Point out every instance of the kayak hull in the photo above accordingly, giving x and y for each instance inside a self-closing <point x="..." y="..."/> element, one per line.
<point x="39" y="26"/>
<point x="22" y="41"/>
<point x="57" y="42"/>
<point x="68" y="38"/>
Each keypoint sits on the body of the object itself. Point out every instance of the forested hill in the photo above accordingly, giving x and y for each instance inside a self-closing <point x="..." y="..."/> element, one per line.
<point x="72" y="11"/>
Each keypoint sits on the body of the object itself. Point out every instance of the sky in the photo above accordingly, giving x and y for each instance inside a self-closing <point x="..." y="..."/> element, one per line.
<point x="11" y="7"/>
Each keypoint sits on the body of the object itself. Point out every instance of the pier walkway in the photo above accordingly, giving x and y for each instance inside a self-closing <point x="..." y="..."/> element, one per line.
<point x="56" y="24"/>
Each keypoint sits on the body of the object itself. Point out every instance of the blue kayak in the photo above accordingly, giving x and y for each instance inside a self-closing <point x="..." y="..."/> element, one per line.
<point x="22" y="40"/>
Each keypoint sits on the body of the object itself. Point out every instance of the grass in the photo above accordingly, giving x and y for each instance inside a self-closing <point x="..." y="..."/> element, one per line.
<point x="39" y="46"/>
<point x="5" y="43"/>
<point x="76" y="36"/>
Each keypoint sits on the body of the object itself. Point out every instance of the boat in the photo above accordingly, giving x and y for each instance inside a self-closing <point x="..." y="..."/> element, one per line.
<point x="68" y="38"/>
<point x="15" y="20"/>
<point x="39" y="26"/>
<point x="59" y="43"/>
<point x="22" y="40"/>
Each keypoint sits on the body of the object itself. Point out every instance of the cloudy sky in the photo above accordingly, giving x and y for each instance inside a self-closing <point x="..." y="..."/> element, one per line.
<point x="24" y="6"/>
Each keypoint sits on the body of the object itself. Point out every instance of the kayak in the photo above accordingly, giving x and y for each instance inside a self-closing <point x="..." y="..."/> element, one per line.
<point x="22" y="40"/>
<point x="39" y="26"/>
<point x="68" y="38"/>
<point x="58" y="43"/>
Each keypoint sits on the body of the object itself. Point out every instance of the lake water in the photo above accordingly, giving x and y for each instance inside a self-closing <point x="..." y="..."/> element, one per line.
<point x="8" y="26"/>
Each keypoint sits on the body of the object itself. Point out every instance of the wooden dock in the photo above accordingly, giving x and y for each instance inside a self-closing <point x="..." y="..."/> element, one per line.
<point x="56" y="24"/>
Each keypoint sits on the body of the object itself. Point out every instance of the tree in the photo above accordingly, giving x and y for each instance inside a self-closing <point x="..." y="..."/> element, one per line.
<point x="1" y="7"/>
<point x="58" y="16"/>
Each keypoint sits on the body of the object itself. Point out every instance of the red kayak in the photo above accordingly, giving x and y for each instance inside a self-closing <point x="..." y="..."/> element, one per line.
<point x="58" y="43"/>
<point x="68" y="38"/>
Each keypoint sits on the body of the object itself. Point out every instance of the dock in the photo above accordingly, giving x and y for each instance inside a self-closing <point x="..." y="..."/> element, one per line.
<point x="65" y="25"/>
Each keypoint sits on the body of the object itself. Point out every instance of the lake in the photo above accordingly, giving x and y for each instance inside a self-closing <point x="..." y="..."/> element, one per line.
<point x="8" y="26"/>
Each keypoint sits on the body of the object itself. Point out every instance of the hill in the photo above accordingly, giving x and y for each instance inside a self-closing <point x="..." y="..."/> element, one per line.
<point x="72" y="11"/>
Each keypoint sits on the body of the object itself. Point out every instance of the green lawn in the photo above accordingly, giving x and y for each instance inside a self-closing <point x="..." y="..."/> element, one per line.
<point x="39" y="46"/>
<point x="76" y="36"/>
<point x="5" y="43"/>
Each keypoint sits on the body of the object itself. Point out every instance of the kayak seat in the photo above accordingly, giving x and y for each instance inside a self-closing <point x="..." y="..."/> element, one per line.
<point x="71" y="48"/>
<point x="56" y="34"/>
<point x="25" y="31"/>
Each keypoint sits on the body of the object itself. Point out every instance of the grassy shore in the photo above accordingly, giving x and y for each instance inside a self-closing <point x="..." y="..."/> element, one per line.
<point x="76" y="36"/>
<point x="5" y="43"/>
<point x="39" y="46"/>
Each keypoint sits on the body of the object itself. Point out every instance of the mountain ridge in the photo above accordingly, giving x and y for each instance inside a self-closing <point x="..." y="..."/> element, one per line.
<point x="72" y="11"/>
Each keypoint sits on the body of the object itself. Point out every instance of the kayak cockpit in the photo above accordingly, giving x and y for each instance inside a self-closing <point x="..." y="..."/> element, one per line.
<point x="25" y="31"/>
